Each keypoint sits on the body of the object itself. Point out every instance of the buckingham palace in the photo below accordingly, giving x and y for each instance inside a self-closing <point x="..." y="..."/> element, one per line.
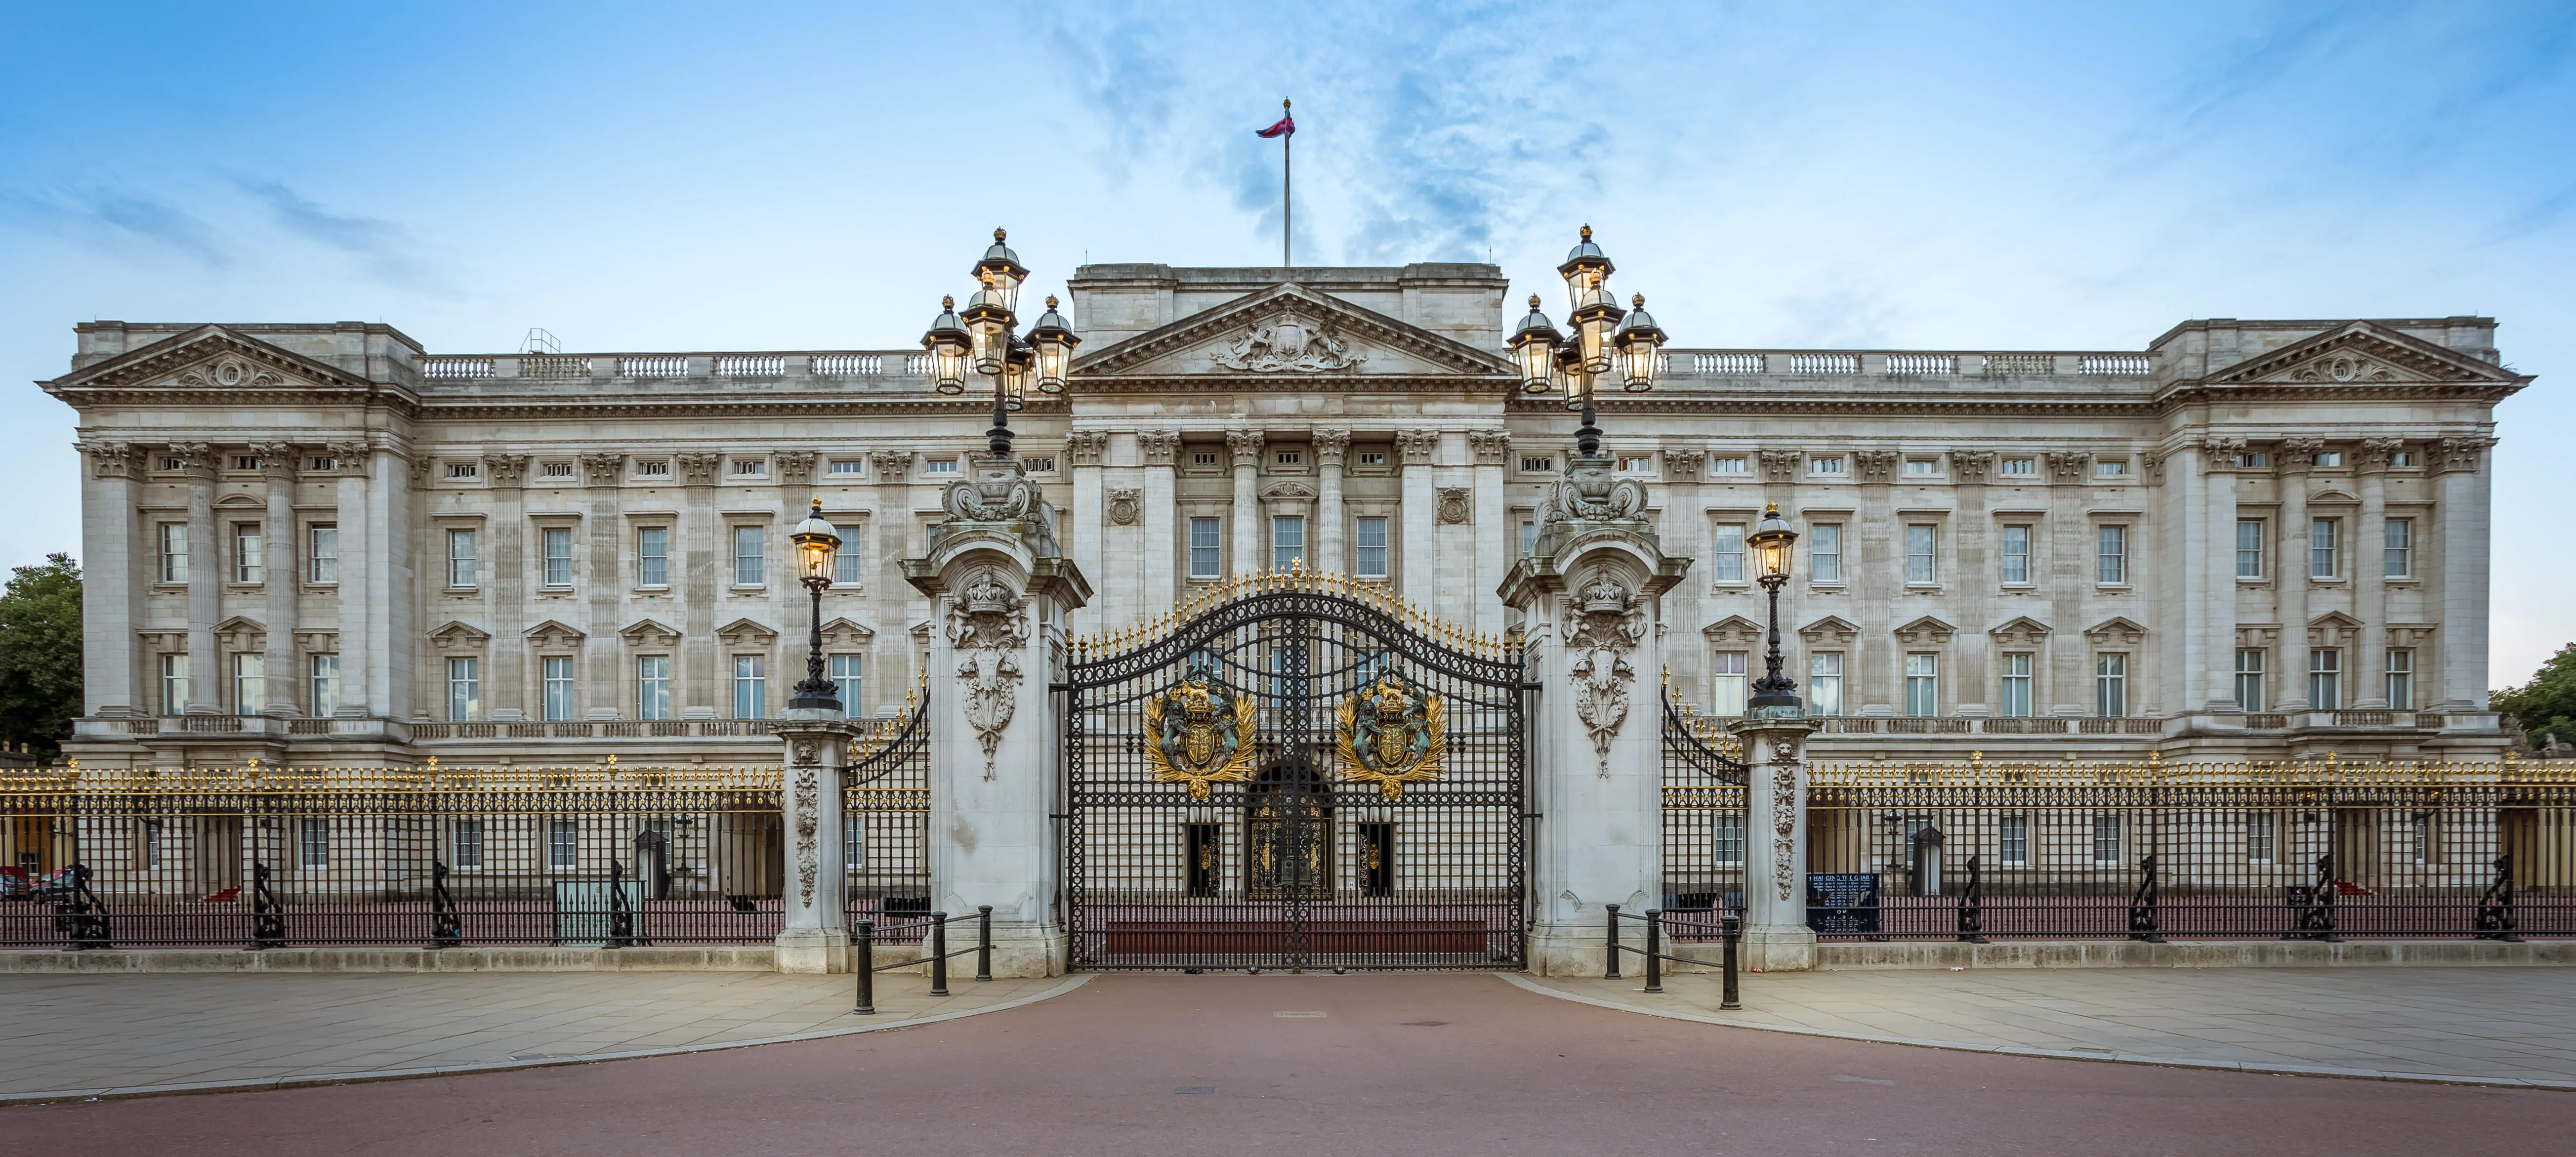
<point x="323" y="544"/>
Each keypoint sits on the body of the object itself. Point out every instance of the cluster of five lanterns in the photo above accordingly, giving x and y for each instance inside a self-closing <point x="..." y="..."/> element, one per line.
<point x="1608" y="341"/>
<point x="980" y="340"/>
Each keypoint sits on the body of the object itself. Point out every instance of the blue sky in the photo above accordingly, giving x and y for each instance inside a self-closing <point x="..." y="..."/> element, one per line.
<point x="645" y="177"/>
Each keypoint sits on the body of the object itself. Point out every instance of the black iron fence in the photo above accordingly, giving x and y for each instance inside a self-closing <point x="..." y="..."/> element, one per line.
<point x="2320" y="849"/>
<point x="885" y="823"/>
<point x="438" y="857"/>
<point x="1703" y="818"/>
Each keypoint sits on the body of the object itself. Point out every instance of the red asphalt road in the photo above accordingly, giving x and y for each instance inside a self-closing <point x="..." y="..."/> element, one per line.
<point x="1414" y="1065"/>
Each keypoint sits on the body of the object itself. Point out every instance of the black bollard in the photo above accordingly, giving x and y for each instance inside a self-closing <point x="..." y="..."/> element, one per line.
<point x="863" y="960"/>
<point x="983" y="942"/>
<point x="939" y="954"/>
<point x="1654" y="950"/>
<point x="1612" y="973"/>
<point x="1732" y="928"/>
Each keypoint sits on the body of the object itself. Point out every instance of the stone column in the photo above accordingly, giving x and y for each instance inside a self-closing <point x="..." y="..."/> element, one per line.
<point x="1332" y="447"/>
<point x="815" y="935"/>
<point x="1590" y="604"/>
<point x="2069" y="584"/>
<point x="279" y="579"/>
<point x="205" y="578"/>
<point x="1249" y="541"/>
<point x="606" y="588"/>
<point x="1685" y="530"/>
<point x="115" y="544"/>
<point x="2464" y="516"/>
<point x="358" y="565"/>
<point x="2209" y="599"/>
<point x="1164" y="535"/>
<point x="702" y="546"/>
<point x="1418" y="573"/>
<point x="1000" y="588"/>
<point x="393" y="628"/>
<point x="2370" y="571"/>
<point x="2291" y="460"/>
<point x="1776" y="935"/>
<point x="1497" y="541"/>
<point x="1087" y="538"/>
<point x="1874" y="568"/>
<point x="1980" y="574"/>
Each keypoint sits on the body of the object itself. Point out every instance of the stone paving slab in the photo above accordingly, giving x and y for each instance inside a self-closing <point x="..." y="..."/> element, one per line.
<point x="78" y="1036"/>
<point x="2481" y="1025"/>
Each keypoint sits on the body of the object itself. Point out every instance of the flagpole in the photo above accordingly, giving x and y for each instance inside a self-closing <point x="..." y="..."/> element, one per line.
<point x="1287" y="207"/>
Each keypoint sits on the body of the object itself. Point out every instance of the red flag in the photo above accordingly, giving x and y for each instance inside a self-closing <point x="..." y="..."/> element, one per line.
<point x="1287" y="127"/>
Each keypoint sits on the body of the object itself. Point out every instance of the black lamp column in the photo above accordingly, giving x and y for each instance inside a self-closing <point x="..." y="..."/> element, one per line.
<point x="1774" y="694"/>
<point x="817" y="542"/>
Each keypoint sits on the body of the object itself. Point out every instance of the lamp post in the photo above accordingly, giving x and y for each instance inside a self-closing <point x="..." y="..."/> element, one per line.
<point x="1607" y="341"/>
<point x="1774" y="694"/>
<point x="817" y="544"/>
<point x="980" y="341"/>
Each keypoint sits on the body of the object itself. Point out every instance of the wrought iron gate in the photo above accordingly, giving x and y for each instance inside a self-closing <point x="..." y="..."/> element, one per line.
<point x="1704" y="817"/>
<point x="1296" y="772"/>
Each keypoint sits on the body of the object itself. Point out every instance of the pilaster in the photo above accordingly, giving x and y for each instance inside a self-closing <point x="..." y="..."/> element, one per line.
<point x="1419" y="525"/>
<point x="2291" y="461"/>
<point x="358" y="565"/>
<point x="279" y="579"/>
<point x="1249" y="540"/>
<point x="2370" y="572"/>
<point x="1332" y="449"/>
<point x="814" y="935"/>
<point x="2464" y="514"/>
<point x="114" y="544"/>
<point x="205" y="578"/>
<point x="1776" y="935"/>
<point x="1161" y="525"/>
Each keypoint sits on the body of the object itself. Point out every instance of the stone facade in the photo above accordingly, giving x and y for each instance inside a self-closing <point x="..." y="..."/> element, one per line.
<point x="542" y="557"/>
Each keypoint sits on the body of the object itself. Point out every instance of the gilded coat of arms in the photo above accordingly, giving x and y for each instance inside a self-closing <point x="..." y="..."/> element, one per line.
<point x="1199" y="734"/>
<point x="1391" y="735"/>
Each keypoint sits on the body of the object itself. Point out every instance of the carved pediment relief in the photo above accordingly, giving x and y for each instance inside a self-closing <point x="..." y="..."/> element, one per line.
<point x="650" y="632"/>
<point x="746" y="633"/>
<point x="2116" y="630"/>
<point x="1292" y="491"/>
<point x="456" y="635"/>
<point x="2021" y="632"/>
<point x="1925" y="632"/>
<point x="1734" y="632"/>
<point x="211" y="359"/>
<point x="553" y="634"/>
<point x="1830" y="631"/>
<point x="2360" y="353"/>
<point x="1288" y="333"/>
<point x="846" y="635"/>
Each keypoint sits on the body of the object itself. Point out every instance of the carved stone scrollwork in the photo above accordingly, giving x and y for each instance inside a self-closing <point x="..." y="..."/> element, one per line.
<point x="1784" y="815"/>
<point x="2374" y="454"/>
<point x="2154" y="465"/>
<point x="506" y="469"/>
<point x="806" y="755"/>
<point x="196" y="459"/>
<point x="276" y="460"/>
<point x="698" y="467"/>
<point x="1417" y="446"/>
<point x="1331" y="446"/>
<point x="2294" y="454"/>
<point x="1288" y="344"/>
<point x="1245" y="447"/>
<point x="1491" y="447"/>
<point x="2453" y="454"/>
<point x="1591" y="493"/>
<point x="352" y="457"/>
<point x="2221" y="453"/>
<point x="890" y="465"/>
<point x="1971" y="465"/>
<point x="1604" y="622"/>
<point x="2068" y="465"/>
<point x="795" y="466"/>
<point x="1687" y="465"/>
<point x="1004" y="497"/>
<point x="604" y="468"/>
<point x="1124" y="505"/>
<point x="1085" y="446"/>
<point x="988" y="627"/>
<point x="1780" y="465"/>
<point x="109" y="459"/>
<point x="1158" y="446"/>
<point x="1454" y="506"/>
<point x="1875" y="465"/>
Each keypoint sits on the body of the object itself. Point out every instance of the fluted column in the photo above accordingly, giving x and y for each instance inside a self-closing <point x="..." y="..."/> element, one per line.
<point x="115" y="548"/>
<point x="1165" y="537"/>
<point x="280" y="579"/>
<point x="2292" y="459"/>
<point x="1420" y="577"/>
<point x="1332" y="447"/>
<point x="2463" y="547"/>
<point x="205" y="578"/>
<point x="358" y="564"/>
<point x="1246" y="446"/>
<point x="1497" y="544"/>
<point x="2209" y="602"/>
<point x="2370" y="573"/>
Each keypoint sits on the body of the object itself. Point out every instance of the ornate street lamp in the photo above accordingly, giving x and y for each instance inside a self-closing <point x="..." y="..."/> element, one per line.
<point x="1600" y="345"/>
<point x="817" y="544"/>
<point x="1774" y="694"/>
<point x="980" y="340"/>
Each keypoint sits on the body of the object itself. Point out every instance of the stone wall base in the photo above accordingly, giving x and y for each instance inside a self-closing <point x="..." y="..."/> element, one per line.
<point x="704" y="958"/>
<point x="2185" y="954"/>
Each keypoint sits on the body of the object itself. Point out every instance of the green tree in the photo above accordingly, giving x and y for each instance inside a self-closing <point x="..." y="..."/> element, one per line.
<point x="2547" y="704"/>
<point x="40" y="653"/>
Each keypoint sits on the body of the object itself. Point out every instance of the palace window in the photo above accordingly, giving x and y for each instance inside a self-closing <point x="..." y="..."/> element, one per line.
<point x="313" y="842"/>
<point x="849" y="566"/>
<point x="2249" y="679"/>
<point x="1825" y="554"/>
<point x="2111" y="555"/>
<point x="2258" y="837"/>
<point x="2397" y="550"/>
<point x="2325" y="557"/>
<point x="1825" y="683"/>
<point x="174" y="552"/>
<point x="2401" y="679"/>
<point x="2016" y="686"/>
<point x="558" y="556"/>
<point x="563" y="845"/>
<point x="174" y="684"/>
<point x="322" y="549"/>
<point x="750" y="467"/>
<point x="1729" y="464"/>
<point x="464" y="690"/>
<point x="2018" y="467"/>
<point x="653" y="556"/>
<point x="1922" y="683"/>
<point x="854" y="841"/>
<point x="1832" y="465"/>
<point x="939" y="466"/>
<point x="849" y="467"/>
<point x="1529" y="539"/>
<point x="750" y="686"/>
<point x="464" y="470"/>
<point x="554" y="470"/>
<point x="2249" y="548"/>
<point x="2325" y="679"/>
<point x="1921" y="468"/>
<point x="321" y="464"/>
<point x="250" y="683"/>
<point x="1372" y="457"/>
<point x="2253" y="460"/>
<point x="1726" y="839"/>
<point x="653" y="687"/>
<point x="557" y="677"/>
<point x="465" y="842"/>
<point x="2330" y="458"/>
<point x="1203" y="458"/>
<point x="247" y="566"/>
<point x="846" y="672"/>
<point x="1039" y="465"/>
<point x="1207" y="548"/>
<point x="324" y="674"/>
<point x="2016" y="556"/>
<point x="1287" y="540"/>
<point x="2013" y="841"/>
<point x="750" y="557"/>
<point x="1538" y="463"/>
<point x="1729" y="685"/>
<point x="1288" y="458"/>
<point x="2106" y="839"/>
<point x="2110" y="685"/>
<point x="2111" y="468"/>
<point x="460" y="558"/>
<point x="1636" y="463"/>
<point x="1368" y="553"/>
<point x="1726" y="554"/>
<point x="652" y="469"/>
<point x="2402" y="458"/>
<point x="1919" y="540"/>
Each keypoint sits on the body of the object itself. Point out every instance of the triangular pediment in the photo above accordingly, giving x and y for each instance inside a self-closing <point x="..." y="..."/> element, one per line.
<point x="1289" y="333"/>
<point x="844" y="632"/>
<point x="211" y="361"/>
<point x="1926" y="631"/>
<point x="1733" y="631"/>
<point x="649" y="631"/>
<point x="2117" y="629"/>
<point x="2362" y="353"/>
<point x="456" y="634"/>
<point x="2024" y="631"/>
<point x="551" y="633"/>
<point x="1833" y="629"/>
<point x="746" y="633"/>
